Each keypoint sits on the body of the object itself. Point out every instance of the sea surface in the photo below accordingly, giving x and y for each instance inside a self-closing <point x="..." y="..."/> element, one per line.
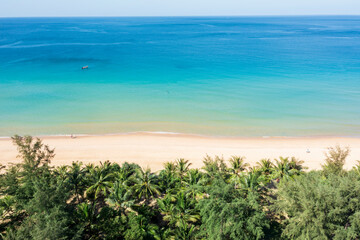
<point x="221" y="76"/>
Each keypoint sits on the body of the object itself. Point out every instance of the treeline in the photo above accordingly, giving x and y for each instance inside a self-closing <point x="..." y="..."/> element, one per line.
<point x="223" y="200"/>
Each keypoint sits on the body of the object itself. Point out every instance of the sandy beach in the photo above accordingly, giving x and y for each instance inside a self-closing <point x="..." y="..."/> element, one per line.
<point x="153" y="150"/>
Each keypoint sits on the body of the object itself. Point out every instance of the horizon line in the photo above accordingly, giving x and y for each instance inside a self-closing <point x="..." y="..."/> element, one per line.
<point x="186" y="16"/>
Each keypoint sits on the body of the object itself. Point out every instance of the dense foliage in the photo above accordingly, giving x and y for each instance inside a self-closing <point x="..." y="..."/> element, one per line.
<point x="223" y="200"/>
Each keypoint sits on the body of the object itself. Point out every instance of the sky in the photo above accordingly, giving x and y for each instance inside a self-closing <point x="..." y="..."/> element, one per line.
<point x="57" y="8"/>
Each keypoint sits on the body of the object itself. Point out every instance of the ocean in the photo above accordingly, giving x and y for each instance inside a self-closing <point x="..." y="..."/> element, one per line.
<point x="216" y="76"/>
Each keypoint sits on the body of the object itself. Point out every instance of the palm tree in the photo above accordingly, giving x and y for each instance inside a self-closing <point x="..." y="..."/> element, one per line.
<point x="265" y="165"/>
<point x="251" y="182"/>
<point x="238" y="165"/>
<point x="167" y="176"/>
<point x="184" y="211"/>
<point x="89" y="168"/>
<point x="87" y="216"/>
<point x="284" y="169"/>
<point x="120" y="197"/>
<point x="182" y="166"/>
<point x="145" y="184"/>
<point x="193" y="176"/>
<point x="178" y="209"/>
<point x="101" y="183"/>
<point x="214" y="167"/>
<point x="130" y="168"/>
<point x="106" y="167"/>
<point x="297" y="164"/>
<point x="169" y="167"/>
<point x="122" y="176"/>
<point x="184" y="231"/>
<point x="192" y="179"/>
<point x="166" y="206"/>
<point x="76" y="176"/>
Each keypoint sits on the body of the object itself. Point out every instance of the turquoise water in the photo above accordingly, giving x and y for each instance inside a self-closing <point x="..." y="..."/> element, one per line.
<point x="229" y="76"/>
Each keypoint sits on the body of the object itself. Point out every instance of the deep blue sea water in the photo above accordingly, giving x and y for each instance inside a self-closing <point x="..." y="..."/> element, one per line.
<point x="229" y="76"/>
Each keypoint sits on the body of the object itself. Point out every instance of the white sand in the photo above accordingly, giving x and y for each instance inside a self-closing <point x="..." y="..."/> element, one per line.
<point x="153" y="149"/>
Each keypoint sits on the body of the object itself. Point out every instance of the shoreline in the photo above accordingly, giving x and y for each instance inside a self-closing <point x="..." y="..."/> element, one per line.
<point x="165" y="133"/>
<point x="151" y="149"/>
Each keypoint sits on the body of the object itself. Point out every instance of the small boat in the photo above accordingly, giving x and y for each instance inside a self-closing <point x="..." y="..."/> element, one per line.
<point x="85" y="67"/>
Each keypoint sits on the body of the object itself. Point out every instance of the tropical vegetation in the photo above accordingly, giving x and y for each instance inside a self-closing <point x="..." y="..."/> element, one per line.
<point x="226" y="199"/>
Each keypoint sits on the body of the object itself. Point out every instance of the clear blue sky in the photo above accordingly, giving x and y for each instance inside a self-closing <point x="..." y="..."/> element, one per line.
<point x="26" y="8"/>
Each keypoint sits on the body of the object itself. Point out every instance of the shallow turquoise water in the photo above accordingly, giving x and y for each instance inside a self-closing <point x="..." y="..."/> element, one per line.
<point x="285" y="76"/>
